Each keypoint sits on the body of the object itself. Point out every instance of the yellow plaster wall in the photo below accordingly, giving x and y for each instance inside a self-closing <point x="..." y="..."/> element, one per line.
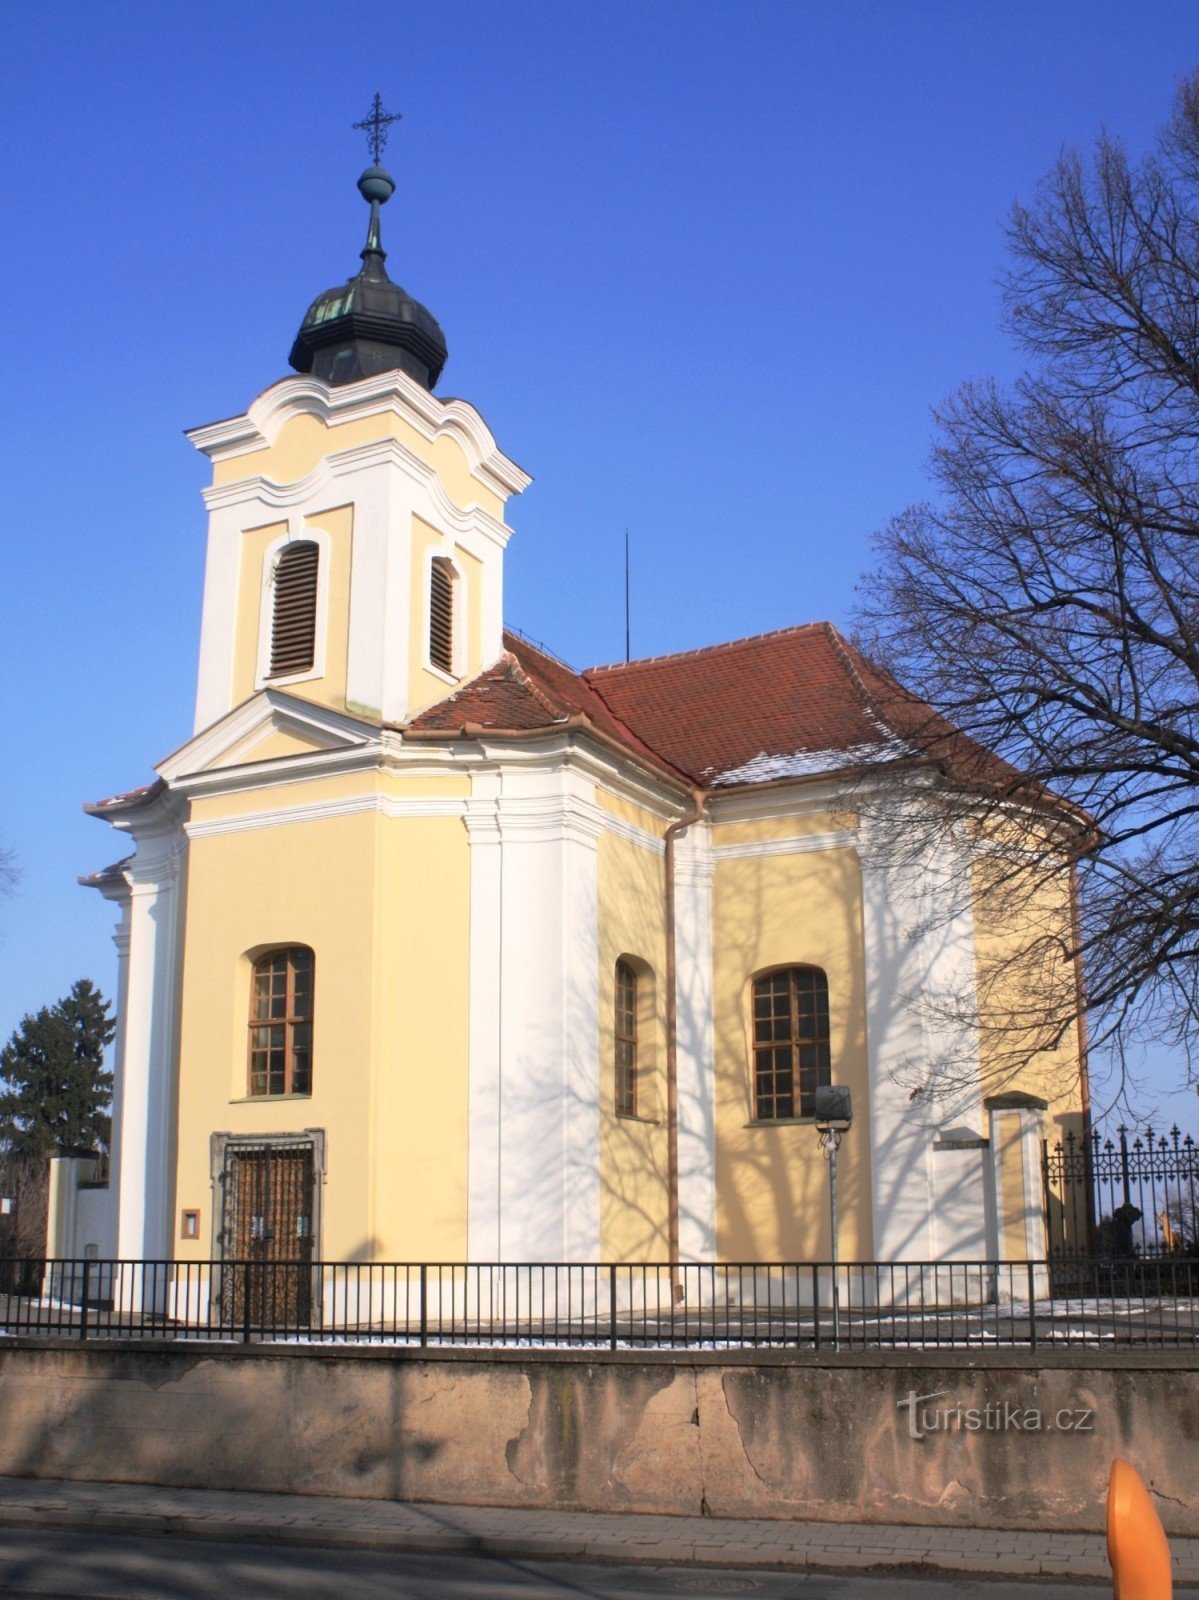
<point x="305" y="440"/>
<point x="383" y="904"/>
<point x="1009" y="1158"/>
<point x="419" y="1119"/>
<point x="633" y="1192"/>
<point x="245" y="893"/>
<point x="771" y="1181"/>
<point x="274" y="746"/>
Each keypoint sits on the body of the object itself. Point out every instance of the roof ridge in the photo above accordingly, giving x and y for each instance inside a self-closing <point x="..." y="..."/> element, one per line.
<point x="704" y="650"/>
<point x="556" y="708"/>
<point x="539" y="647"/>
<point x="630" y="734"/>
<point x="842" y="649"/>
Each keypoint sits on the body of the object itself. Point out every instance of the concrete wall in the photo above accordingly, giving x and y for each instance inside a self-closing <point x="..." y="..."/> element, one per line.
<point x="825" y="1438"/>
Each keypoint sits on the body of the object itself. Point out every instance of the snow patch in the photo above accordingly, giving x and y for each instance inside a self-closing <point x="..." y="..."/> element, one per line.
<point x="809" y="763"/>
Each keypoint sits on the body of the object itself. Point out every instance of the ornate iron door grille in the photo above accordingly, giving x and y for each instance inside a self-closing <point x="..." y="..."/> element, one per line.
<point x="267" y="1244"/>
<point x="1123" y="1199"/>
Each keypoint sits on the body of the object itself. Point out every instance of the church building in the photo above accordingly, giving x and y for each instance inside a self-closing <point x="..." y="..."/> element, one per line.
<point x="432" y="948"/>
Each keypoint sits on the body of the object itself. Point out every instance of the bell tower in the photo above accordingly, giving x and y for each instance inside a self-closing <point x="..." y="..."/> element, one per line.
<point x="356" y="521"/>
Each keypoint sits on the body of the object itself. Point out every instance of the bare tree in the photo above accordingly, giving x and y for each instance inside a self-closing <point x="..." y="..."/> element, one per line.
<point x="1047" y="603"/>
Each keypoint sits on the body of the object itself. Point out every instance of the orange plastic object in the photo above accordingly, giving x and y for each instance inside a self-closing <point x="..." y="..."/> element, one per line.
<point x="1136" y="1540"/>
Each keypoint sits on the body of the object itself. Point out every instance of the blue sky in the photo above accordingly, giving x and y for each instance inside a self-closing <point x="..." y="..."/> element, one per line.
<point x="704" y="268"/>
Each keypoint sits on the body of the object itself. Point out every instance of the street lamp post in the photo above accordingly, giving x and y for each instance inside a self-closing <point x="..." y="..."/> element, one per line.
<point x="833" y="1109"/>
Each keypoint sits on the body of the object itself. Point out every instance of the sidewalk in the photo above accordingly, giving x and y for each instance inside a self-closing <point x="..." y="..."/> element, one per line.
<point x="558" y="1535"/>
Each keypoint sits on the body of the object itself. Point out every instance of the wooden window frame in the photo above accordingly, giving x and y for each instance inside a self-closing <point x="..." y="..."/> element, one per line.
<point x="289" y="1021"/>
<point x="625" y="1017"/>
<point x="807" y="999"/>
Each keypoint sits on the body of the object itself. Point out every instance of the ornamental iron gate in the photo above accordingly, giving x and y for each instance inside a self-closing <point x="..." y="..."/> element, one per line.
<point x="1121" y="1199"/>
<point x="267" y="1196"/>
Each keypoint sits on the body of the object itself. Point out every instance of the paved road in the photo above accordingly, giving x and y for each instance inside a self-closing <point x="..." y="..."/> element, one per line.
<point x="54" y="1565"/>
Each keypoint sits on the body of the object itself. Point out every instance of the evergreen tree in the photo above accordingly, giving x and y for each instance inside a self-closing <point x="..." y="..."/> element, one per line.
<point x="56" y="1092"/>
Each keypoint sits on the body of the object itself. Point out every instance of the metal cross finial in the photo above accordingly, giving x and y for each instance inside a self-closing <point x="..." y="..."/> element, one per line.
<point x="375" y="126"/>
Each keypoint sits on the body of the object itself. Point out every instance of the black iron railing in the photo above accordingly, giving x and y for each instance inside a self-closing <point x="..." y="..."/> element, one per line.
<point x="793" y="1305"/>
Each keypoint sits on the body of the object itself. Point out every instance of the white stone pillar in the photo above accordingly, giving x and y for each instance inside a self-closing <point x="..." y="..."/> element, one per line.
<point x="922" y="1036"/>
<point x="580" y="1023"/>
<point x="142" y="1180"/>
<point x="118" y="892"/>
<point x="695" y="1057"/>
<point x="486" y="1017"/>
<point x="535" y="1122"/>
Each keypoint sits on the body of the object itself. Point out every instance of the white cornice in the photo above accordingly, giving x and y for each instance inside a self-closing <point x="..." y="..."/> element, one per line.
<point x="655" y="843"/>
<point x="359" y="458"/>
<point x="322" y="810"/>
<point x="844" y="839"/>
<point x="391" y="391"/>
<point x="277" y="771"/>
<point x="559" y="744"/>
<point x="778" y="803"/>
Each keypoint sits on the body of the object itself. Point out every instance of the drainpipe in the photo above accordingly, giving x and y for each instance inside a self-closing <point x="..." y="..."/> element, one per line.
<point x="698" y="799"/>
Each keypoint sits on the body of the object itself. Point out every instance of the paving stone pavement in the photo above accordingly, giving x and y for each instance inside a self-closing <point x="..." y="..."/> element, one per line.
<point x="554" y="1535"/>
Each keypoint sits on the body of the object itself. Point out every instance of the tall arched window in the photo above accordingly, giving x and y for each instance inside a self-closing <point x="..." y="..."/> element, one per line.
<point x="281" y="1022"/>
<point x="441" y="614"/>
<point x="626" y="1040"/>
<point x="293" y="613"/>
<point x="792" y="1057"/>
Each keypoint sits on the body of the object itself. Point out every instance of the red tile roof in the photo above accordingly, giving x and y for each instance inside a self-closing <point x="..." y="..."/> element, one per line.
<point x="789" y="704"/>
<point x="758" y="704"/>
<point x="527" y="689"/>
<point x="128" y="801"/>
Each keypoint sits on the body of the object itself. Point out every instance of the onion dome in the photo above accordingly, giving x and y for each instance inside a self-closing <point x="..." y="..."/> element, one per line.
<point x="369" y="325"/>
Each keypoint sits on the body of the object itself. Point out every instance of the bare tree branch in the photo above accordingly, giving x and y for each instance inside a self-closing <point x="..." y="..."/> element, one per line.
<point x="1047" y="603"/>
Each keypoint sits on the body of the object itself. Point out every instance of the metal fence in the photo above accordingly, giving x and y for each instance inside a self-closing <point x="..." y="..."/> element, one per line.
<point x="1132" y="1197"/>
<point x="797" y="1305"/>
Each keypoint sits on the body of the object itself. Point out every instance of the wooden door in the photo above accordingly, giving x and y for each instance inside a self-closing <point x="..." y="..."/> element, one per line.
<point x="267" y="1235"/>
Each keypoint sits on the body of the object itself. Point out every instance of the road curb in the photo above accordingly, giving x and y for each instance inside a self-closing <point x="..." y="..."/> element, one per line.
<point x="552" y="1547"/>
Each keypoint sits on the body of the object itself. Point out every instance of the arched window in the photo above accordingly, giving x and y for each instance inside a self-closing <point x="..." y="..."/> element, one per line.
<point x="281" y="1022"/>
<point x="626" y="1040"/>
<point x="293" y="613"/>
<point x="792" y="1058"/>
<point x="441" y="614"/>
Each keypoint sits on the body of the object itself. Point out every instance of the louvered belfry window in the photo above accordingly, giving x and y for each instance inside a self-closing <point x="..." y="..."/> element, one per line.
<point x="293" y="620"/>
<point x="441" y="615"/>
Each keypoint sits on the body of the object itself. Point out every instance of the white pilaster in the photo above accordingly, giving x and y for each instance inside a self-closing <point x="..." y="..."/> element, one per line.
<point x="580" y="1023"/>
<point x="119" y="893"/>
<point x="922" y="1040"/>
<point x="534" y="1048"/>
<point x="486" y="1017"/>
<point x="143" y="1117"/>
<point x="695" y="1059"/>
<point x="218" y="617"/>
